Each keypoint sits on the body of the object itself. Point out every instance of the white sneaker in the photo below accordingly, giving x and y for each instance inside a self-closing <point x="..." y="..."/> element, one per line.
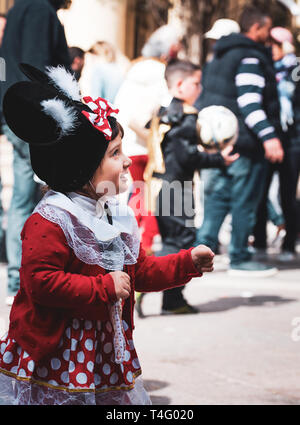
<point x="9" y="300"/>
<point x="259" y="254"/>
<point x="252" y="269"/>
<point x="286" y="257"/>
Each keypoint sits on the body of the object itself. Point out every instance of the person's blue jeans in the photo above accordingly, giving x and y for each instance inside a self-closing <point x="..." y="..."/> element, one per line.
<point x="21" y="206"/>
<point x="237" y="191"/>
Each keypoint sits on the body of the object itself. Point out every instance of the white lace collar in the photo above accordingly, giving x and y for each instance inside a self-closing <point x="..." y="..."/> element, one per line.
<point x="92" y="206"/>
<point x="88" y="232"/>
<point x="89" y="212"/>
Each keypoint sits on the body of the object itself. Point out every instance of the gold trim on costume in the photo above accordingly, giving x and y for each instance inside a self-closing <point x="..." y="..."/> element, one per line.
<point x="70" y="390"/>
<point x="155" y="162"/>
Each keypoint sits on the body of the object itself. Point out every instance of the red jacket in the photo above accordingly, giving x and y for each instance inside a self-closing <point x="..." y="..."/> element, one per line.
<point x="55" y="286"/>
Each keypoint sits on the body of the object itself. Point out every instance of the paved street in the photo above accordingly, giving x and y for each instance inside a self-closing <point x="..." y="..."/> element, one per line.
<point x="242" y="348"/>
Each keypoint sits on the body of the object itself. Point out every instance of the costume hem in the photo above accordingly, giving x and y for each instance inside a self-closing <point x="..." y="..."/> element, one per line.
<point x="73" y="390"/>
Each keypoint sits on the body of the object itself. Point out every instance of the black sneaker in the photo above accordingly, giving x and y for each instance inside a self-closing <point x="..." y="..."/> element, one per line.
<point x="185" y="309"/>
<point x="287" y="256"/>
<point x="138" y="304"/>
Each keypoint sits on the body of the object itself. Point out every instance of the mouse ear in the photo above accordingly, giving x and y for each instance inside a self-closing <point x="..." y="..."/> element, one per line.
<point x="57" y="76"/>
<point x="34" y="74"/>
<point x="24" y="115"/>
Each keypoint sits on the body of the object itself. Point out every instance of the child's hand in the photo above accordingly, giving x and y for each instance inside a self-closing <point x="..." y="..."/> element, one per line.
<point x="203" y="258"/>
<point x="122" y="284"/>
<point x="229" y="159"/>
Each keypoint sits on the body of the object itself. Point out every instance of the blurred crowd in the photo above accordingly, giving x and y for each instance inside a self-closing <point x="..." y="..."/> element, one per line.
<point x="251" y="69"/>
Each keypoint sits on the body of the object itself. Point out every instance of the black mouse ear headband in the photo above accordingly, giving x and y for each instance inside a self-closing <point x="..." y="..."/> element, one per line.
<point x="64" y="108"/>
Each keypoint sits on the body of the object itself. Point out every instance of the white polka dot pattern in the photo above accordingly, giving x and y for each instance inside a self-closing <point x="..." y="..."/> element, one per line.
<point x="8" y="357"/>
<point x="86" y="357"/>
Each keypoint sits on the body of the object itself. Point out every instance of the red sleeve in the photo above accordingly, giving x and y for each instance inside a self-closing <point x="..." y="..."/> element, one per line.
<point x="160" y="273"/>
<point x="45" y="259"/>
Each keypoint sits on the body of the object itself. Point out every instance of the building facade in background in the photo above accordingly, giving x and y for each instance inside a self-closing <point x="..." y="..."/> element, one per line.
<point x="127" y="24"/>
<point x="124" y="23"/>
<point x="5" y="5"/>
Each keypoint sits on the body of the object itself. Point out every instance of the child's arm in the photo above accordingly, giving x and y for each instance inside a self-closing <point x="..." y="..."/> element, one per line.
<point x="45" y="259"/>
<point x="160" y="273"/>
<point x="184" y="139"/>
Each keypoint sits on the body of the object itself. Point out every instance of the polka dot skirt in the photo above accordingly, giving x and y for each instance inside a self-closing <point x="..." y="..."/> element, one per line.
<point x="84" y="360"/>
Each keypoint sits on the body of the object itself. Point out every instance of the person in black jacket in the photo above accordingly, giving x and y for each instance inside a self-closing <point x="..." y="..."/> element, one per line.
<point x="181" y="157"/>
<point x="33" y="35"/>
<point x="293" y="164"/>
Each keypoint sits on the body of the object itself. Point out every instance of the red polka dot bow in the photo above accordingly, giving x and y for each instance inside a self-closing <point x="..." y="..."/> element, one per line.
<point x="101" y="110"/>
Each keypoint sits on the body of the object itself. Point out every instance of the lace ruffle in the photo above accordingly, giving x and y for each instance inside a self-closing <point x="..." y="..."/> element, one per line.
<point x="18" y="392"/>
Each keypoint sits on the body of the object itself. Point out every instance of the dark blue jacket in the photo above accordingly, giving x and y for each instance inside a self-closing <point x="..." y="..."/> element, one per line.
<point x="33" y="35"/>
<point x="295" y="128"/>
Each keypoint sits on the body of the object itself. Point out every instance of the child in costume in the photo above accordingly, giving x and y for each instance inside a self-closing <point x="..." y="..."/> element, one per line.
<point x="70" y="334"/>
<point x="174" y="158"/>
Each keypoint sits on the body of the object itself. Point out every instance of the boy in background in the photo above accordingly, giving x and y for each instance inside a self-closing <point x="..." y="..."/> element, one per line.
<point x="174" y="158"/>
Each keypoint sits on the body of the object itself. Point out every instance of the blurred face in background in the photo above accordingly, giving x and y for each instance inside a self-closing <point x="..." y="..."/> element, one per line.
<point x="260" y="30"/>
<point x="2" y="27"/>
<point x="61" y="4"/>
<point x="277" y="51"/>
<point x="263" y="30"/>
<point x="175" y="50"/>
<point x="189" y="87"/>
<point x="77" y="66"/>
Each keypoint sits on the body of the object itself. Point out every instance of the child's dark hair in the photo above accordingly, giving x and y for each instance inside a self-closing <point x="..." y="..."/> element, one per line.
<point x="180" y="68"/>
<point x="115" y="127"/>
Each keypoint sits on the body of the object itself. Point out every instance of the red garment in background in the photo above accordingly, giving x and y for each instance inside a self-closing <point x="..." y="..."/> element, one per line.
<point x="145" y="219"/>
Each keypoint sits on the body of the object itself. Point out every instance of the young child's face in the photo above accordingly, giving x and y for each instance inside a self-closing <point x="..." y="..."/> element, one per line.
<point x="190" y="87"/>
<point x="110" y="177"/>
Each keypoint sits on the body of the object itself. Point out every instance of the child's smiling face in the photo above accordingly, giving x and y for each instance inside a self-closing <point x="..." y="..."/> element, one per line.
<point x="110" y="177"/>
<point x="190" y="87"/>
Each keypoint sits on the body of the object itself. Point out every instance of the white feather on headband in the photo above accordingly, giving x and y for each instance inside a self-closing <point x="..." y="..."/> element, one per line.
<point x="65" y="116"/>
<point x="64" y="81"/>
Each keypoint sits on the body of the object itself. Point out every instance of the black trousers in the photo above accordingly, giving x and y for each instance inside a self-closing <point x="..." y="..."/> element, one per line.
<point x="289" y="171"/>
<point x="298" y="215"/>
<point x="177" y="232"/>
